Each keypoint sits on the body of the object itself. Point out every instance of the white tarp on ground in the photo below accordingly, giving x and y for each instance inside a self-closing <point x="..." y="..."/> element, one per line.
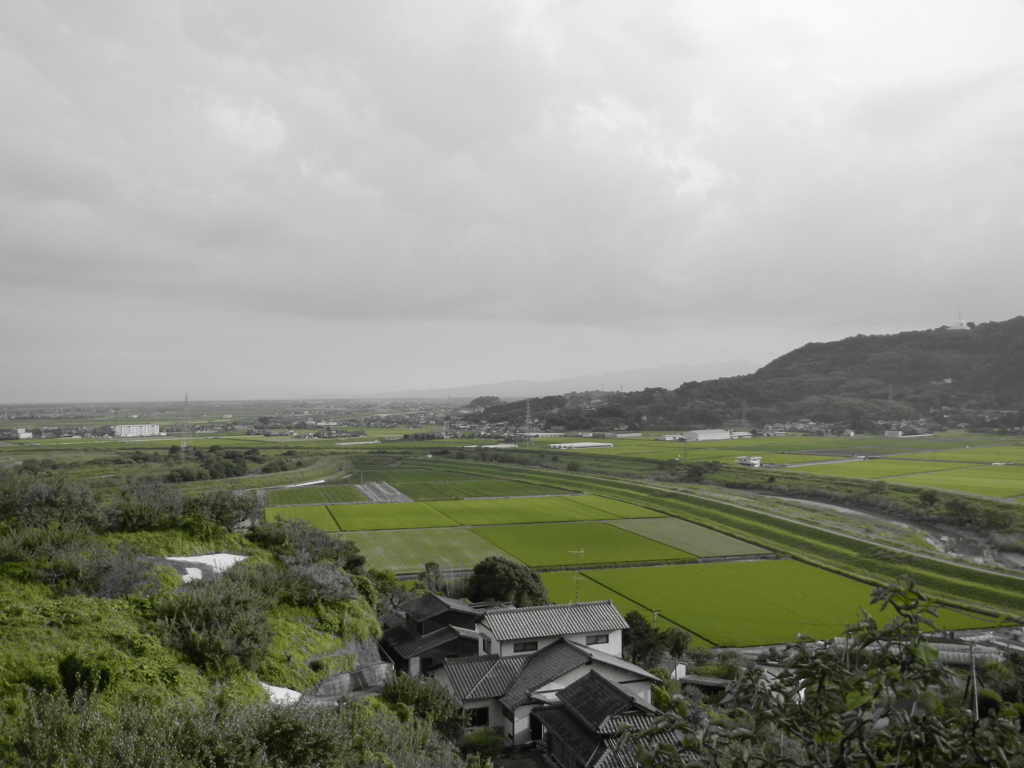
<point x="217" y="563"/>
<point x="281" y="695"/>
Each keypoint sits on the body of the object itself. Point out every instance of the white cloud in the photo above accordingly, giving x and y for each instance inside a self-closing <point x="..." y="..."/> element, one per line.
<point x="533" y="168"/>
<point x="255" y="127"/>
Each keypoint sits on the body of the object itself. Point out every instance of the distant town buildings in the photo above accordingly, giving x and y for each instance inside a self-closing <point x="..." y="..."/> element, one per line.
<point x="136" y="430"/>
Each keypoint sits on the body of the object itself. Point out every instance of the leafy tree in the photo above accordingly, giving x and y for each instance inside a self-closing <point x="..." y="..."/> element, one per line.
<point x="641" y="641"/>
<point x="496" y="578"/>
<point x="878" y="699"/>
<point x="573" y="466"/>
<point x="645" y="645"/>
<point x="431" y="577"/>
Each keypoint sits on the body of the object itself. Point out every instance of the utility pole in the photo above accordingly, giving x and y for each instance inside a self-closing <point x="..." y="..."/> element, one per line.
<point x="577" y="576"/>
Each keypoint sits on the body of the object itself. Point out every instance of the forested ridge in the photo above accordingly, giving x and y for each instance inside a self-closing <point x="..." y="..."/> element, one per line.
<point x="940" y="374"/>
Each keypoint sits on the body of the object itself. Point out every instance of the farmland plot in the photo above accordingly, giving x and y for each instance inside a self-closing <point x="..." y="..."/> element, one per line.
<point x="320" y="495"/>
<point x="408" y="551"/>
<point x="563" y="587"/>
<point x="378" y="517"/>
<point x="989" y="454"/>
<point x="439" y="491"/>
<point x="877" y="468"/>
<point x="986" y="480"/>
<point x="614" y="508"/>
<point x="317" y="516"/>
<point x="696" y="539"/>
<point x="754" y="603"/>
<point x="393" y="476"/>
<point x="553" y="544"/>
<point x="551" y="509"/>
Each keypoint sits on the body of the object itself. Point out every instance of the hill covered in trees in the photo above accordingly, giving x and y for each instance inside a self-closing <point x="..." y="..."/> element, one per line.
<point x="942" y="374"/>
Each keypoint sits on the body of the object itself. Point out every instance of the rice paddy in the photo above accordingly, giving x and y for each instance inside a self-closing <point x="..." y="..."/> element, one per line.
<point x="754" y="603"/>
<point x="567" y="544"/>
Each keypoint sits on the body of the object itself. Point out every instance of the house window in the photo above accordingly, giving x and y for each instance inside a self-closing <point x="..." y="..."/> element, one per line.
<point x="487" y="645"/>
<point x="597" y="639"/>
<point x="529" y="645"/>
<point x="478" y="718"/>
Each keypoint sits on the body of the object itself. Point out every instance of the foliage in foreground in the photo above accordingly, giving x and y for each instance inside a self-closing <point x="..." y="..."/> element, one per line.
<point x="880" y="699"/>
<point x="79" y="732"/>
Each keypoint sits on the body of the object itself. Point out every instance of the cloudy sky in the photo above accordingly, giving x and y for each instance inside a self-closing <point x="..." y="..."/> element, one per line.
<point x="285" y="199"/>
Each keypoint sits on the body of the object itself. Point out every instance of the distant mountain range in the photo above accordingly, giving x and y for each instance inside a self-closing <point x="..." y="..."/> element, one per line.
<point x="668" y="376"/>
<point x="900" y="375"/>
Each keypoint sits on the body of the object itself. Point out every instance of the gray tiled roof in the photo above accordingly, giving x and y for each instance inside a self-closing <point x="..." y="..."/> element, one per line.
<point x="615" y="661"/>
<point x="547" y="664"/>
<point x="429" y="606"/>
<point x="419" y="645"/>
<point x="604" y="705"/>
<point x="595" y="750"/>
<point x="569" y="730"/>
<point x="483" y="677"/>
<point x="399" y="635"/>
<point x="552" y="620"/>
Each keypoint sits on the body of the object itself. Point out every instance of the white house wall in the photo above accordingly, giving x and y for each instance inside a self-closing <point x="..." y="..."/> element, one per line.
<point x="507" y="648"/>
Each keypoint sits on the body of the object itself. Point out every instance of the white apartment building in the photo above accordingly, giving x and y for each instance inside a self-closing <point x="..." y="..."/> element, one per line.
<point x="136" y="430"/>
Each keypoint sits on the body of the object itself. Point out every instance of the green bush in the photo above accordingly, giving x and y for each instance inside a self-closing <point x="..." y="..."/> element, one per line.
<point x="54" y="730"/>
<point x="298" y="542"/>
<point x="222" y="624"/>
<point x="486" y="742"/>
<point x="427" y="699"/>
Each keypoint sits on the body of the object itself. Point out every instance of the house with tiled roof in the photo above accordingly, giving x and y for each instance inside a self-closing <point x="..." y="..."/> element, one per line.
<point x="502" y="691"/>
<point x="425" y="631"/>
<point x="510" y="631"/>
<point x="583" y="726"/>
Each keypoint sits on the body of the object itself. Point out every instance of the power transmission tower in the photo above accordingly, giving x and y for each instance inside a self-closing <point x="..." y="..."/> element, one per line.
<point x="186" y="443"/>
<point x="529" y="441"/>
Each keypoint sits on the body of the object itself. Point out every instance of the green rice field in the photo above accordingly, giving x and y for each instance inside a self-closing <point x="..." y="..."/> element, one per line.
<point x="695" y="539"/>
<point x="754" y="603"/>
<point x="564" y="586"/>
<point x="393" y="476"/>
<point x="554" y="544"/>
<point x="614" y="507"/>
<point x="378" y="517"/>
<point x="990" y="454"/>
<point x="317" y="516"/>
<point x="326" y="494"/>
<point x="1001" y="482"/>
<point x="551" y="509"/>
<point x="876" y="468"/>
<point x="440" y="491"/>
<point x="408" y="551"/>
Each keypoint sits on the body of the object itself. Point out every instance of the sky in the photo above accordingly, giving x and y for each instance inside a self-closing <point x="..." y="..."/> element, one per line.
<point x="268" y="200"/>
